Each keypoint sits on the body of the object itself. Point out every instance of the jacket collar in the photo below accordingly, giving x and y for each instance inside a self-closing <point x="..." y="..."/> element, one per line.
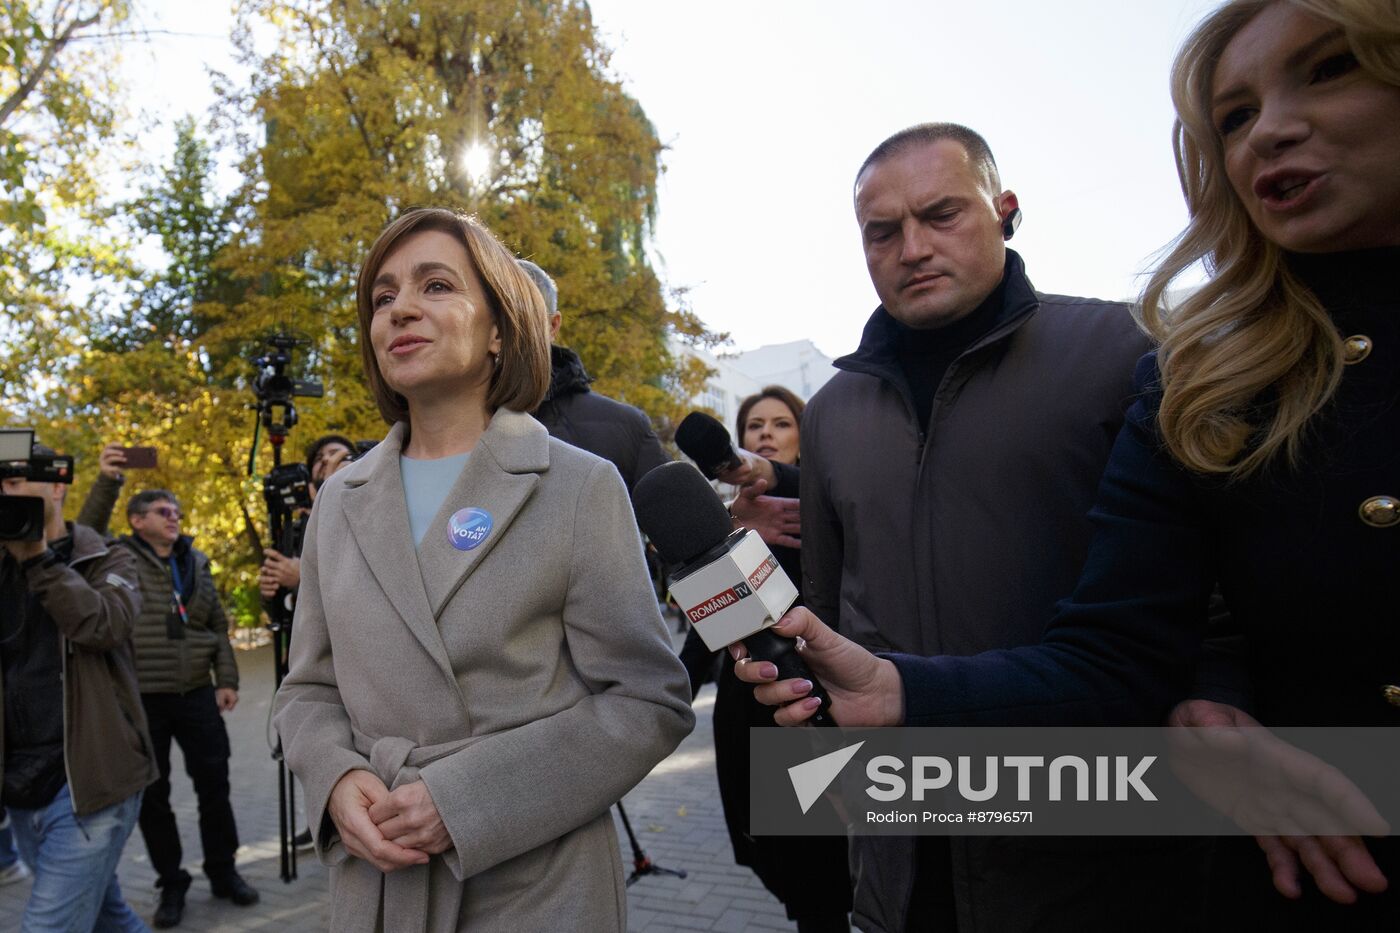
<point x="1353" y="279"/>
<point x="567" y="375"/>
<point x="499" y="478"/>
<point x="876" y="355"/>
<point x="87" y="543"/>
<point x="182" y="546"/>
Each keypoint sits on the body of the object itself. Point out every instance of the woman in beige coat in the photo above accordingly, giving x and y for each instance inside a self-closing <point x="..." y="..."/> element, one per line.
<point x="478" y="670"/>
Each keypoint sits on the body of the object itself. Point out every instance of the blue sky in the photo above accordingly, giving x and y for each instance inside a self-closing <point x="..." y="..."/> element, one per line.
<point x="767" y="108"/>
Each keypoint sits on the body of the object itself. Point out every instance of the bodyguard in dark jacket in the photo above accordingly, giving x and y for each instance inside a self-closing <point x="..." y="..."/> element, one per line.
<point x="581" y="417"/>
<point x="947" y="472"/>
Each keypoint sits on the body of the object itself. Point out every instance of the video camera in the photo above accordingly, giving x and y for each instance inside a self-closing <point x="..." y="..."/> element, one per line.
<point x="361" y="448"/>
<point x="22" y="517"/>
<point x="289" y="485"/>
<point x="275" y="389"/>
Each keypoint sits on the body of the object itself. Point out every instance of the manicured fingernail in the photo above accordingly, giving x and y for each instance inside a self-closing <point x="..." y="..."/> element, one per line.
<point x="734" y="651"/>
<point x="767" y="671"/>
<point x="811" y="703"/>
<point x="801" y="687"/>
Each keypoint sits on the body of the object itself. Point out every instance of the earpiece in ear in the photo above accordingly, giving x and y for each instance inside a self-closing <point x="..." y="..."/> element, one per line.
<point x="1009" y="225"/>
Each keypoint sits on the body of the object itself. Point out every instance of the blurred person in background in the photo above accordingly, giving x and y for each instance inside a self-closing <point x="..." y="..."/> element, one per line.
<point x="188" y="676"/>
<point x="574" y="413"/>
<point x="324" y="456"/>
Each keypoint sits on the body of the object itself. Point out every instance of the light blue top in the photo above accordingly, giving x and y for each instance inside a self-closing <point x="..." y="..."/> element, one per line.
<point x="426" y="484"/>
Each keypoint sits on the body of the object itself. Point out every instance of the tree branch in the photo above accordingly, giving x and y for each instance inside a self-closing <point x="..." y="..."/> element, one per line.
<point x="27" y="86"/>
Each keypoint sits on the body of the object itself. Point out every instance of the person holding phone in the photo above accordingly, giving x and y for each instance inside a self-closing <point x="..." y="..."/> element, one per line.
<point x="112" y="463"/>
<point x="188" y="679"/>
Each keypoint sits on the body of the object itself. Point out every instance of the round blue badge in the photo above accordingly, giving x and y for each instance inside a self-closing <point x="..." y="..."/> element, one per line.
<point x="468" y="527"/>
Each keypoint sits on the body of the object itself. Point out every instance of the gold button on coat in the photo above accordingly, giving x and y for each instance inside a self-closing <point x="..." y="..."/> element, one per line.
<point x="1356" y="348"/>
<point x="1380" y="511"/>
<point x="1391" y="694"/>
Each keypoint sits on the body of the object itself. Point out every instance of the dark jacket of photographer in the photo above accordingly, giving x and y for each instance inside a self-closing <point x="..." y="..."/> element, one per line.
<point x="87" y="605"/>
<point x="166" y="664"/>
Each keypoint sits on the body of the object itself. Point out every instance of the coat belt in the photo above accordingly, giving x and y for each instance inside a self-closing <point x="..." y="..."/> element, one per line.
<point x="396" y="761"/>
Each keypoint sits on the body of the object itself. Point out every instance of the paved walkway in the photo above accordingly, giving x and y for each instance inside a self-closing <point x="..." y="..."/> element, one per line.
<point x="675" y="812"/>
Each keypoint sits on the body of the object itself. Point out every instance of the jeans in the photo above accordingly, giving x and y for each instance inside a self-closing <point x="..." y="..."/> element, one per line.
<point x="74" y="860"/>
<point x="8" y="855"/>
<point x="193" y="720"/>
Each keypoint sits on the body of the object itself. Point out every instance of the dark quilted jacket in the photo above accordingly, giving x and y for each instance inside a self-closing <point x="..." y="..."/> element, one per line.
<point x="163" y="664"/>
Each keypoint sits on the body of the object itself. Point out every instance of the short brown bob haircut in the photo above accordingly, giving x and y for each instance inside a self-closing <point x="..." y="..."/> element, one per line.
<point x="521" y="379"/>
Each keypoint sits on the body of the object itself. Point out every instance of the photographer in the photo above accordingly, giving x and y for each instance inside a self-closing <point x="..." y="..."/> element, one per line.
<point x="68" y="602"/>
<point x="324" y="456"/>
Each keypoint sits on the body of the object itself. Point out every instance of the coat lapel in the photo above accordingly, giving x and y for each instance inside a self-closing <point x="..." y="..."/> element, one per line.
<point x="374" y="507"/>
<point x="499" y="477"/>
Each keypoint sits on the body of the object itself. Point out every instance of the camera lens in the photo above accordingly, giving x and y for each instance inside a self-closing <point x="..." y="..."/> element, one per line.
<point x="21" y="518"/>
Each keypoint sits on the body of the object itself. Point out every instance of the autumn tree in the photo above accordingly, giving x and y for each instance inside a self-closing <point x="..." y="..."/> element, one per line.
<point x="141" y="373"/>
<point x="356" y="111"/>
<point x="499" y="107"/>
<point x="58" y="116"/>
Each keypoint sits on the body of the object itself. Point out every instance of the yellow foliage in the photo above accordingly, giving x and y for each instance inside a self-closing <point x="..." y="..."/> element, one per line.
<point x="366" y="108"/>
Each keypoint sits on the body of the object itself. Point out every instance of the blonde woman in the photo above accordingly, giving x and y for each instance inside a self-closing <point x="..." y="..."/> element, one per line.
<point x="478" y="669"/>
<point x="1263" y="454"/>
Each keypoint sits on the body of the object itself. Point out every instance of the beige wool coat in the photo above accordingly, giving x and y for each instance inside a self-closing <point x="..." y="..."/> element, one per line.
<point x="528" y="682"/>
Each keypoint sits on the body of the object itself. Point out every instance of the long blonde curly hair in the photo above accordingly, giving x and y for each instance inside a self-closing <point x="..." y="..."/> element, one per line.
<point x="1251" y="357"/>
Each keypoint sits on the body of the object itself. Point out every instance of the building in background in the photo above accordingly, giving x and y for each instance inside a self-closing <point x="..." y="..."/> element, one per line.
<point x="798" y="365"/>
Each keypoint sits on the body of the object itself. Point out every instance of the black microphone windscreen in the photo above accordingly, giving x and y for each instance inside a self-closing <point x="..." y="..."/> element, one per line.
<point x="704" y="440"/>
<point x="679" y="512"/>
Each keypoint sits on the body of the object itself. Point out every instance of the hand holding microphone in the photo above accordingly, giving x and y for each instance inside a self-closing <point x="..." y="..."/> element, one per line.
<point x="863" y="690"/>
<point x="776" y="519"/>
<point x="704" y="440"/>
<point x="728" y="584"/>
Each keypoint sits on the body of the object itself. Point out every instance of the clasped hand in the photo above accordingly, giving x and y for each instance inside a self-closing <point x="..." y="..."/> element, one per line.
<point x="389" y="829"/>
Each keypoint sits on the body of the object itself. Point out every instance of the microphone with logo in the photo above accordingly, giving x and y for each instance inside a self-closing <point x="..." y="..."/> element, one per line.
<point x="728" y="584"/>
<point x="704" y="440"/>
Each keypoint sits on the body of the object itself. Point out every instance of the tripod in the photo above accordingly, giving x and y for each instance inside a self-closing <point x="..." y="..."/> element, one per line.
<point x="279" y="614"/>
<point x="641" y="865"/>
<point x="285" y="489"/>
